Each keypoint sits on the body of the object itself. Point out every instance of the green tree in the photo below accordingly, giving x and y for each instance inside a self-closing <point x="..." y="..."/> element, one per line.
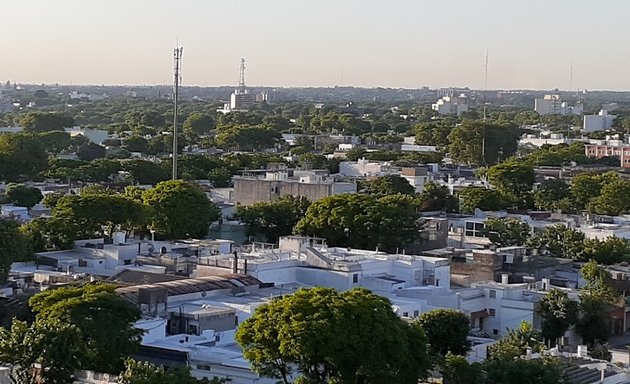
<point x="23" y="195"/>
<point x="522" y="371"/>
<point x="198" y="124"/>
<point x="481" y="198"/>
<point x="613" y="250"/>
<point x="550" y="192"/>
<point x="99" y="213"/>
<point x="147" y="172"/>
<point x="330" y="337"/>
<point x="14" y="246"/>
<point x="456" y="370"/>
<point x="142" y="372"/>
<point x="221" y="177"/>
<point x="363" y="221"/>
<point x="516" y="343"/>
<point x="90" y="151"/>
<point x="181" y="210"/>
<point x="388" y="185"/>
<point x="54" y="142"/>
<point x="447" y="331"/>
<point x="436" y="197"/>
<point x="558" y="313"/>
<point x="559" y="241"/>
<point x="587" y="186"/>
<point x="613" y="199"/>
<point x="356" y="153"/>
<point x="506" y="232"/>
<point x="103" y="320"/>
<point x="136" y="144"/>
<point x="596" y="298"/>
<point x="51" y="199"/>
<point x="21" y="157"/>
<point x="479" y="143"/>
<point x="46" y="234"/>
<point x="434" y="133"/>
<point x="273" y="219"/>
<point x="246" y="138"/>
<point x="514" y="180"/>
<point x="56" y="346"/>
<point x="45" y="121"/>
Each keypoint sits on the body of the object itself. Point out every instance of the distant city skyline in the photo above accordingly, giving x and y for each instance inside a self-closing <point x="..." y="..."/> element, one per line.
<point x="368" y="43"/>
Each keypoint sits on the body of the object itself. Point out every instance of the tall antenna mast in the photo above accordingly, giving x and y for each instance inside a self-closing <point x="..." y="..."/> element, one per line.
<point x="485" y="87"/>
<point x="177" y="55"/>
<point x="485" y="91"/>
<point x="241" y="77"/>
<point x="571" y="79"/>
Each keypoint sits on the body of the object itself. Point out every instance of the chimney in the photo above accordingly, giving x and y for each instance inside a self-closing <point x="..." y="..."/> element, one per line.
<point x="235" y="264"/>
<point x="545" y="284"/>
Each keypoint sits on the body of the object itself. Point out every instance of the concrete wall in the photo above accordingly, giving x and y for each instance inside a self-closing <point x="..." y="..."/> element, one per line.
<point x="249" y="191"/>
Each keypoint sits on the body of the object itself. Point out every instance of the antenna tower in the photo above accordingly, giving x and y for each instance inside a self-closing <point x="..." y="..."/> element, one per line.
<point x="241" y="77"/>
<point x="177" y="56"/>
<point x="485" y="91"/>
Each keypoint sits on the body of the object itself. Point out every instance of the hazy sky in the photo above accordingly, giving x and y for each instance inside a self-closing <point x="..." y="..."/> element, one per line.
<point x="389" y="43"/>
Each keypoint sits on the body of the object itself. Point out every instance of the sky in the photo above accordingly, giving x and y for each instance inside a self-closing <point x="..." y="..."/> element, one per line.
<point x="530" y="44"/>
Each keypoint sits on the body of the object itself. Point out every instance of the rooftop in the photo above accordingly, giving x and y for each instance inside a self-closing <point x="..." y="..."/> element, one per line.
<point x="186" y="286"/>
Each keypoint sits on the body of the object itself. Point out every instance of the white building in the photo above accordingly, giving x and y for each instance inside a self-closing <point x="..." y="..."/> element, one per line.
<point x="14" y="212"/>
<point x="308" y="261"/>
<point x="451" y="105"/>
<point x="549" y="139"/>
<point x="96" y="136"/>
<point x="364" y="168"/>
<point x="600" y="122"/>
<point x="553" y="105"/>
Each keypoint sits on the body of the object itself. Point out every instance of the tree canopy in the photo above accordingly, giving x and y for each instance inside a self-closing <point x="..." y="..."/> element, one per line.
<point x="558" y="313"/>
<point x="180" y="210"/>
<point x="388" y="185"/>
<point x="479" y="143"/>
<point x="23" y="195"/>
<point x="363" y="221"/>
<point x="447" y="331"/>
<point x="506" y="232"/>
<point x="45" y="121"/>
<point x="75" y="327"/>
<point x="331" y="337"/>
<point x="14" y="246"/>
<point x="273" y="219"/>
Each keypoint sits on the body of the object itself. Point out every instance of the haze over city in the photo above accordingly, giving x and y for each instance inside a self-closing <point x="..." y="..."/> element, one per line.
<point x="396" y="43"/>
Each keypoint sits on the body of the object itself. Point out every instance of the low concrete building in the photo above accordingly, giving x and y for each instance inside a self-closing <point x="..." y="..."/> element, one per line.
<point x="268" y="185"/>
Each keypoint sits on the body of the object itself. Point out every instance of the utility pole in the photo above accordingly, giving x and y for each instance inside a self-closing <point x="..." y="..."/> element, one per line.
<point x="177" y="55"/>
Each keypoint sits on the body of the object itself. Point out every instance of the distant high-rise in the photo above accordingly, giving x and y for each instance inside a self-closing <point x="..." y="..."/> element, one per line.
<point x="553" y="105"/>
<point x="241" y="99"/>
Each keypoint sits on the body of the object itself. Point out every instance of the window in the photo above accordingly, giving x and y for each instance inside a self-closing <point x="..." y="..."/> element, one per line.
<point x="495" y="331"/>
<point x="203" y="367"/>
<point x="492" y="312"/>
<point x="493" y="293"/>
<point x="355" y="278"/>
<point x="474" y="229"/>
<point x="405" y="314"/>
<point x="416" y="313"/>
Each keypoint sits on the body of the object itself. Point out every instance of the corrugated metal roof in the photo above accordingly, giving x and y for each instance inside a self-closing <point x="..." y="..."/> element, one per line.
<point x="186" y="286"/>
